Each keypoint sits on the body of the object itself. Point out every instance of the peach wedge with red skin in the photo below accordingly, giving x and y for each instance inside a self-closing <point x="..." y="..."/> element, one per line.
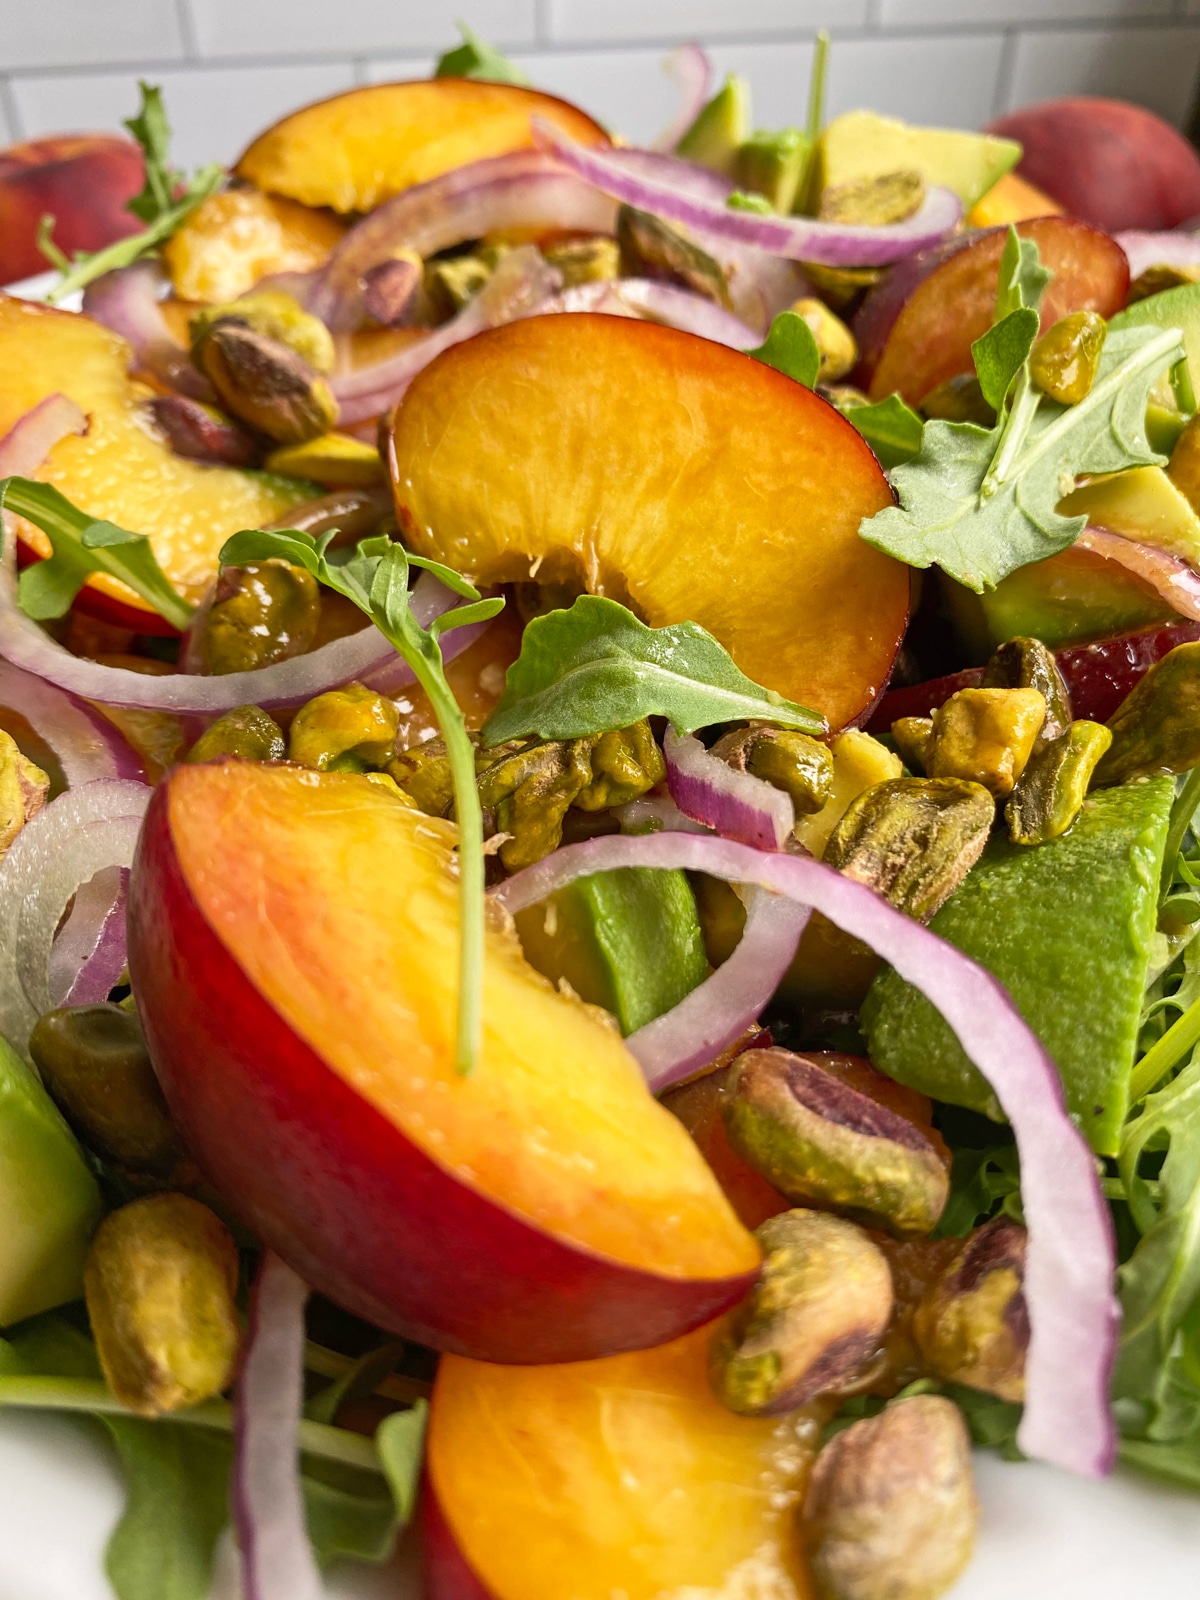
<point x="360" y="148"/>
<point x="685" y="479"/>
<point x="293" y="943"/>
<point x="624" y="1476"/>
<point x="83" y="180"/>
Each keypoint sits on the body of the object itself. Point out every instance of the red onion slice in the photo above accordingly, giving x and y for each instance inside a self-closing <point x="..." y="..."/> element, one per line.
<point x="88" y="956"/>
<point x="651" y="813"/>
<point x="68" y="842"/>
<point x="1069" y="1272"/>
<point x="268" y="1502"/>
<point x="31" y="438"/>
<point x="1159" y="250"/>
<point x="655" y="302"/>
<point x="736" y="805"/>
<point x="86" y="744"/>
<point x="692" y="1034"/>
<point x="525" y="189"/>
<point x="520" y="284"/>
<point x="127" y="302"/>
<point x="691" y="69"/>
<point x="799" y="238"/>
<point x="1167" y="575"/>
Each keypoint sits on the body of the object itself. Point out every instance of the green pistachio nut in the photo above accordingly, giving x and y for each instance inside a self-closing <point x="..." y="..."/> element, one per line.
<point x="423" y="774"/>
<point x="873" y="202"/>
<point x="911" y="736"/>
<point x="160" y="1284"/>
<point x="891" y="1510"/>
<point x="94" y="1064"/>
<point x="971" y="1325"/>
<point x="787" y="760"/>
<point x="450" y="284"/>
<point x="530" y="791"/>
<point x="913" y="840"/>
<point x="1156" y="728"/>
<point x="841" y="286"/>
<point x="351" y="729"/>
<point x="820" y="1142"/>
<point x="986" y="736"/>
<point x="835" y="342"/>
<point x="626" y="763"/>
<point x="1064" y="362"/>
<point x="246" y="731"/>
<point x="1026" y="663"/>
<point x="263" y="612"/>
<point x="593" y="260"/>
<point x="266" y="384"/>
<point x="276" y="316"/>
<point x="814" y="1322"/>
<point x="649" y="247"/>
<point x="959" y="399"/>
<point x="1054" y="785"/>
<point x="23" y="790"/>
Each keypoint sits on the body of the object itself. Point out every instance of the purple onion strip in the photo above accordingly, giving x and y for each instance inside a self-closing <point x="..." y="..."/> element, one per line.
<point x="87" y="958"/>
<point x="692" y="71"/>
<point x="736" y="805"/>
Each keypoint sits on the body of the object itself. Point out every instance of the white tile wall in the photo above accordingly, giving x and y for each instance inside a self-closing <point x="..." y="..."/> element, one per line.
<point x="230" y="66"/>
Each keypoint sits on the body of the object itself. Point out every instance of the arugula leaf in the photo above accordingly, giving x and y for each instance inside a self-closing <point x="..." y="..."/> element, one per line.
<point x="375" y="577"/>
<point x="983" y="1184"/>
<point x="1022" y="278"/>
<point x="475" y="58"/>
<point x="82" y="546"/>
<point x="981" y="502"/>
<point x="594" y="667"/>
<point x="791" y="348"/>
<point x="1001" y="352"/>
<point x="166" y="200"/>
<point x="891" y="428"/>
<point x="400" y="1440"/>
<point x="750" y="200"/>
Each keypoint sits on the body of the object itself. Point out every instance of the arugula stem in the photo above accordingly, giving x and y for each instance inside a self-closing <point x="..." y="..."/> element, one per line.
<point x="317" y="1439"/>
<point x="1182" y="388"/>
<point x="1187" y="801"/>
<point x="332" y="1364"/>
<point x="1026" y="400"/>
<point x="816" y="88"/>
<point x="1181" y="1037"/>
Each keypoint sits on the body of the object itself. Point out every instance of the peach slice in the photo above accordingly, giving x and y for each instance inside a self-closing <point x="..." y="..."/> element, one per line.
<point x="362" y="147"/>
<point x="83" y="180"/>
<point x="120" y="470"/>
<point x="235" y="238"/>
<point x="293" y="944"/>
<point x="915" y="330"/>
<point x="680" y="477"/>
<point x="603" y="1478"/>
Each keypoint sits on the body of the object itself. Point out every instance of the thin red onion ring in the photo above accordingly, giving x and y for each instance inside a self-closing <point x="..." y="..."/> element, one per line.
<point x="86" y="744"/>
<point x="127" y="301"/>
<point x="736" y="805"/>
<point x="1168" y="575"/>
<point x="799" y="238"/>
<point x="651" y="813"/>
<point x="709" y="1019"/>
<point x="68" y="842"/>
<point x="691" y="69"/>
<point x="88" y="956"/>
<point x="1069" y="1272"/>
<point x="1159" y="250"/>
<point x="524" y="189"/>
<point x="657" y="302"/>
<point x="520" y="284"/>
<point x="31" y="438"/>
<point x="268" y="1502"/>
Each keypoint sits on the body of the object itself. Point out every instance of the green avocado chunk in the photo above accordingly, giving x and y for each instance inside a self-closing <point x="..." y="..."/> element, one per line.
<point x="1066" y="926"/>
<point x="720" y="129"/>
<point x="629" y="941"/>
<point x="49" y="1199"/>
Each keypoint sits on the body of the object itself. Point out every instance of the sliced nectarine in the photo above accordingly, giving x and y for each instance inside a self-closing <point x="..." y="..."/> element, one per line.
<point x="1012" y="199"/>
<point x="83" y="180"/>
<point x="235" y="238"/>
<point x="293" y="943"/>
<point x="119" y="470"/>
<point x="680" y="477"/>
<point x="361" y="147"/>
<point x="623" y="1477"/>
<point x="915" y="330"/>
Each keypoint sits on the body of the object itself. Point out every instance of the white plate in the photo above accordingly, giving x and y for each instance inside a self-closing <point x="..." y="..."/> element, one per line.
<point x="1043" y="1536"/>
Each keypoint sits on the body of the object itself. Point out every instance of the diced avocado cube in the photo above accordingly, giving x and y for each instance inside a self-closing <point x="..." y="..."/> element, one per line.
<point x="1173" y="308"/>
<point x="772" y="164"/>
<point x="49" y="1198"/>
<point x="862" y="144"/>
<point x="1067" y="927"/>
<point x="628" y="940"/>
<point x="720" y="130"/>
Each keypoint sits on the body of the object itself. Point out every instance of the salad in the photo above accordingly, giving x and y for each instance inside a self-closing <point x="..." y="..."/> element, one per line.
<point x="599" y="751"/>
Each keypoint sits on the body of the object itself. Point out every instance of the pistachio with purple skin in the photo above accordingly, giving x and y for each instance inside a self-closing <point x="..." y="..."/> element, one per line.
<point x="783" y="757"/>
<point x="891" y="1510"/>
<point x="814" y="1322"/>
<point x="820" y="1142"/>
<point x="972" y="1326"/>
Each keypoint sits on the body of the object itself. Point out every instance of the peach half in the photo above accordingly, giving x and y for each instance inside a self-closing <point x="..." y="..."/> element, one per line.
<point x="603" y="1478"/>
<point x="293" y="943"/>
<point x="120" y="470"/>
<point x="360" y="148"/>
<point x="680" y="477"/>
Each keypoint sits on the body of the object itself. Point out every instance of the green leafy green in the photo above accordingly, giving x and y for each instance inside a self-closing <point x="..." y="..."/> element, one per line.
<point x="475" y="58"/>
<point x="1022" y="278"/>
<point x="992" y="1423"/>
<point x="1001" y="352"/>
<point x="594" y="667"/>
<point x="791" y="348"/>
<point x="167" y="199"/>
<point x="81" y="547"/>
<point x="891" y="428"/>
<point x="375" y="577"/>
<point x="400" y="1440"/>
<point x="983" y="1184"/>
<point x="361" y="1378"/>
<point x="750" y="200"/>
